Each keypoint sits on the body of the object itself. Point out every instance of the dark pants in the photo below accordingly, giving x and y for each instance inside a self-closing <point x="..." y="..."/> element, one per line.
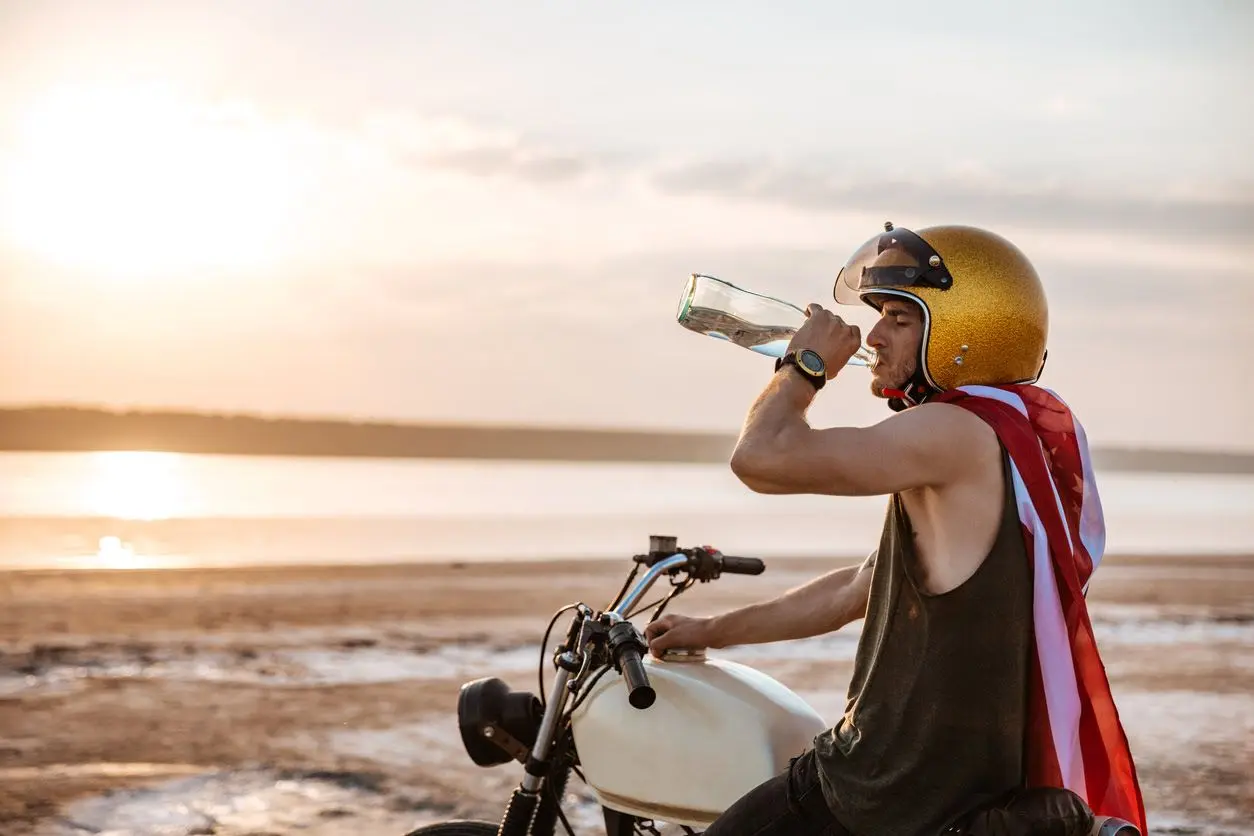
<point x="790" y="804"/>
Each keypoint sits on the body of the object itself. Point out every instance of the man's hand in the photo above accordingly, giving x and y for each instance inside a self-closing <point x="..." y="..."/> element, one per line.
<point x="820" y="606"/>
<point x="677" y="631"/>
<point x="830" y="336"/>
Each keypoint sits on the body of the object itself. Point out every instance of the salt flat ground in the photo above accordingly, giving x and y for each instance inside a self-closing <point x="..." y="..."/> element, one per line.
<point x="321" y="700"/>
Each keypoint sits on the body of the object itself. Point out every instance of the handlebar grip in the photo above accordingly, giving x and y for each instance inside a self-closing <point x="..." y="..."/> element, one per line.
<point x="743" y="565"/>
<point x="639" y="692"/>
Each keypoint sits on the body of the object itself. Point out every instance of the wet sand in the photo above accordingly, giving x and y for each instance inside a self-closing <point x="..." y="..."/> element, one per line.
<point x="322" y="700"/>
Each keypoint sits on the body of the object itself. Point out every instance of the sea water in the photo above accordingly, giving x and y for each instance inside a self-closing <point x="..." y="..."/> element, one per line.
<point x="132" y="509"/>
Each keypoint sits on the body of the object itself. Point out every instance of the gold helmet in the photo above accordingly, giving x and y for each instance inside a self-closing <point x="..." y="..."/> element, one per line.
<point x="985" y="318"/>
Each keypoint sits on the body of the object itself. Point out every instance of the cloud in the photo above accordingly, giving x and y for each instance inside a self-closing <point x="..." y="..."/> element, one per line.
<point x="458" y="145"/>
<point x="531" y="165"/>
<point x="967" y="192"/>
<point x="1227" y="215"/>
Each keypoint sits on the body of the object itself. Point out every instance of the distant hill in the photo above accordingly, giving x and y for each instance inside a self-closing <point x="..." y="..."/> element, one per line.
<point x="61" y="429"/>
<point x="81" y="429"/>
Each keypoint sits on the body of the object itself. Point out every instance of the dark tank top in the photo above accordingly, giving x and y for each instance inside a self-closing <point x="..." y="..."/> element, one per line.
<point x="935" y="718"/>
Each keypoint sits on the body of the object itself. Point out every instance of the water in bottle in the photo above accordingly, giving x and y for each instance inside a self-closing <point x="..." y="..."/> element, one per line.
<point x="759" y="323"/>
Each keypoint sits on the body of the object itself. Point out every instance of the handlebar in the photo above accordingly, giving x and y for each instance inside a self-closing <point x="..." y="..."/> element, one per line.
<point x="639" y="692"/>
<point x="742" y="565"/>
<point x="703" y="563"/>
<point x="626" y="645"/>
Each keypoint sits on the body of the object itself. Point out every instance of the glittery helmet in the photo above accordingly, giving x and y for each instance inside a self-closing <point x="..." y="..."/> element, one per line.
<point x="985" y="319"/>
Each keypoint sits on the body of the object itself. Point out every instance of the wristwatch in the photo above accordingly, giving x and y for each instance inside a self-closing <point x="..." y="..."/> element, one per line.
<point x="809" y="363"/>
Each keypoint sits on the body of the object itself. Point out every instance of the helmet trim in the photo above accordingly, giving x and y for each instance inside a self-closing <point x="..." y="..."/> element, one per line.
<point x="927" y="324"/>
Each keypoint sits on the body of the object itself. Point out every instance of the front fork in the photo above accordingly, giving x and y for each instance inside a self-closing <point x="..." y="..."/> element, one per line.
<point x="522" y="804"/>
<point x="518" y="817"/>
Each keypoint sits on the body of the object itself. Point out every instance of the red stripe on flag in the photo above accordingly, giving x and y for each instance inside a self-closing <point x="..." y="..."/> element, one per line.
<point x="1107" y="754"/>
<point x="1055" y="427"/>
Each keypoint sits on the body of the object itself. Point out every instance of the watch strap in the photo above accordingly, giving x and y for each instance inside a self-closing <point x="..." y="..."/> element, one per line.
<point x="790" y="359"/>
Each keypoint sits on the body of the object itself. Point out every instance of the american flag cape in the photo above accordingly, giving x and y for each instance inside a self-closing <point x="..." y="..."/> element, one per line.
<point x="1074" y="737"/>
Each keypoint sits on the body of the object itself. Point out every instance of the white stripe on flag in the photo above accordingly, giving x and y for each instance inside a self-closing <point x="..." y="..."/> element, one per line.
<point x="997" y="395"/>
<point x="1053" y="649"/>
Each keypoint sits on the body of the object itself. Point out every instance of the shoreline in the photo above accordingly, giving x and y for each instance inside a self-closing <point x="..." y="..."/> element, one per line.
<point x="1235" y="558"/>
<point x="54" y="605"/>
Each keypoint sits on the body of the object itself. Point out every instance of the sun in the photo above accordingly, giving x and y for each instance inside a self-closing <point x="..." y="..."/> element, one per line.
<point x="136" y="180"/>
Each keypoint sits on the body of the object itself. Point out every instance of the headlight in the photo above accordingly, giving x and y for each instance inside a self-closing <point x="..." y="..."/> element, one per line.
<point x="497" y="724"/>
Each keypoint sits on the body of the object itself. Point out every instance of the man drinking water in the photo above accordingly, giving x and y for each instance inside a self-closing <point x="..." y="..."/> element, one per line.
<point x="977" y="676"/>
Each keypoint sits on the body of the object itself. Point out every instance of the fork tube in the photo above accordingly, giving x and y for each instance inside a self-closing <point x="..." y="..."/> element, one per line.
<point x="548" y="727"/>
<point x="550" y="803"/>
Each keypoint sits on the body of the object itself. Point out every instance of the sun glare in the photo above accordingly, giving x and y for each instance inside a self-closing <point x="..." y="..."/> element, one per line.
<point x="136" y="486"/>
<point x="134" y="180"/>
<point x="115" y="554"/>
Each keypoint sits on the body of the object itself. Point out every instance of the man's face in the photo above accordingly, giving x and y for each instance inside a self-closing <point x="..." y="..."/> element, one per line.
<point x="896" y="339"/>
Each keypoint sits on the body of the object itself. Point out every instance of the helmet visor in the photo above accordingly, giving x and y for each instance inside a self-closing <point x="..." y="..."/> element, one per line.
<point x="894" y="259"/>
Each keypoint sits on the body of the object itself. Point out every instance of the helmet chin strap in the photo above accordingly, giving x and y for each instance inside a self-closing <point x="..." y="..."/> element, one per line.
<point x="917" y="391"/>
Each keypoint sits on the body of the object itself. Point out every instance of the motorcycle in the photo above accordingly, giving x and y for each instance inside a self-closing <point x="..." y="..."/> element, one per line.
<point x="636" y="729"/>
<point x="633" y="728"/>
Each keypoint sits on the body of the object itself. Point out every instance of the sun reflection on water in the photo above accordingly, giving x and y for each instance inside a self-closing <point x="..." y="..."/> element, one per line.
<point x="115" y="554"/>
<point x="134" y="485"/>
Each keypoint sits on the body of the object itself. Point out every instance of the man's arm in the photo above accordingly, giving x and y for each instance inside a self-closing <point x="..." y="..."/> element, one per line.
<point x="928" y="445"/>
<point x="826" y="603"/>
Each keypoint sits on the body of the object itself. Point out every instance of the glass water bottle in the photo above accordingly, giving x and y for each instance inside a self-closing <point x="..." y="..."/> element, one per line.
<point x="759" y="323"/>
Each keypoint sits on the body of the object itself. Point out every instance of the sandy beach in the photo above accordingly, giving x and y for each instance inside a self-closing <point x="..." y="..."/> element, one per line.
<point x="321" y="700"/>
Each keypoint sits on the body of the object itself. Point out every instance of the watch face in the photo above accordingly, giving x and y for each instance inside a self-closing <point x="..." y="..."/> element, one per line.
<point x="811" y="362"/>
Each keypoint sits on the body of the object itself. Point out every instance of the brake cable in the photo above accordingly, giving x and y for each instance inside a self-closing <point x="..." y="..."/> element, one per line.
<point x="544" y="645"/>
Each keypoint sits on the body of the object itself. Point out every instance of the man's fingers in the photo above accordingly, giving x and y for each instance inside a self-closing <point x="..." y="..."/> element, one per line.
<point x="660" y="644"/>
<point x="657" y="628"/>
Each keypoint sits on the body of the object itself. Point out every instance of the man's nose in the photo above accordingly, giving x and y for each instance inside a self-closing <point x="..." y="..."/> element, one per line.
<point x="875" y="339"/>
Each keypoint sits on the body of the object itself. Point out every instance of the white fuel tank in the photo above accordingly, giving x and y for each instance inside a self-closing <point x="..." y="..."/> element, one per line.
<point x="716" y="731"/>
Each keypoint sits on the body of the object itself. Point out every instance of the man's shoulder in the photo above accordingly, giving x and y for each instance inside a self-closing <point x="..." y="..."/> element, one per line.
<point x="946" y="422"/>
<point x="959" y="442"/>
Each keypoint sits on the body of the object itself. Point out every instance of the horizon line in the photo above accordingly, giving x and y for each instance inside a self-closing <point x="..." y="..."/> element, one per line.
<point x="281" y="435"/>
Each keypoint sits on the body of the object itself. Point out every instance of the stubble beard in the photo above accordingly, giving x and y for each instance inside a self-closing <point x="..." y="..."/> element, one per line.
<point x="891" y="377"/>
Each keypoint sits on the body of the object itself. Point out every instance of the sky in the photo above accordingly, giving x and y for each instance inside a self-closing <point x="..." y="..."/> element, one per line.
<point x="486" y="211"/>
